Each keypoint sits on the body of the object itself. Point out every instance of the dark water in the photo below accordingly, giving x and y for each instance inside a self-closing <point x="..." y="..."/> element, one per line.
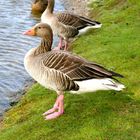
<point x="15" y="18"/>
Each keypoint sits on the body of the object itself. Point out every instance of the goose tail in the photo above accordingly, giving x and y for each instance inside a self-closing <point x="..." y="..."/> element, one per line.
<point x="93" y="23"/>
<point x="113" y="85"/>
<point x="90" y="24"/>
<point x="93" y="85"/>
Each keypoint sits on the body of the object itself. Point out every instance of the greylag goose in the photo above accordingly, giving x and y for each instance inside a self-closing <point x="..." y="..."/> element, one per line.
<point x="63" y="71"/>
<point x="39" y="6"/>
<point x="66" y="25"/>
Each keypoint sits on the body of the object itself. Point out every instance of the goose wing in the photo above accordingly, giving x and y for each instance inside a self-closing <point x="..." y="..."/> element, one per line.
<point x="75" y="67"/>
<point x="76" y="21"/>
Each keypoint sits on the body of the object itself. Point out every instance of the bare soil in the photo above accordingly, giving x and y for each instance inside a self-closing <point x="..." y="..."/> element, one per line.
<point x="79" y="7"/>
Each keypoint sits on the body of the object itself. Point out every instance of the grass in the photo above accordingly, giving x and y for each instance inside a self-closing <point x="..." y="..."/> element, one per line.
<point x="102" y="115"/>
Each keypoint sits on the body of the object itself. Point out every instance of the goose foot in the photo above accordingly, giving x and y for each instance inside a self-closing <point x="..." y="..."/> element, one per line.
<point x="57" y="110"/>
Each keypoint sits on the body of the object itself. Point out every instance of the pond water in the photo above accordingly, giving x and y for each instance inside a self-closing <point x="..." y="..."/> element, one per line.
<point x="15" y="18"/>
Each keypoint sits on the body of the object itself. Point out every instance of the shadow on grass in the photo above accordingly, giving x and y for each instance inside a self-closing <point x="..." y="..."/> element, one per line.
<point x="94" y="115"/>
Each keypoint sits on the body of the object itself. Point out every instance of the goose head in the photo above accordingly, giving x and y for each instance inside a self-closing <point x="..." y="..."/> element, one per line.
<point x="42" y="30"/>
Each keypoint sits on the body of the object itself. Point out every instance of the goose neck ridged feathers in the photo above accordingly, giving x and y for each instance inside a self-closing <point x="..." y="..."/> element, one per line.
<point x="44" y="46"/>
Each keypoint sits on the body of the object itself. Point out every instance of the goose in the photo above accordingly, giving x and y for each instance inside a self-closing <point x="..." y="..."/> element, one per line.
<point x="62" y="71"/>
<point x="66" y="25"/>
<point x="39" y="6"/>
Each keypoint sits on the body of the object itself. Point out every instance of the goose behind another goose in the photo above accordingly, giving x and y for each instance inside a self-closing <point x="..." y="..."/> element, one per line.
<point x="66" y="25"/>
<point x="63" y="71"/>
<point x="39" y="6"/>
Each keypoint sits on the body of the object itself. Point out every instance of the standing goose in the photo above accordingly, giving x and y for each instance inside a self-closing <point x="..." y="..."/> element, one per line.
<point x="63" y="71"/>
<point x="66" y="25"/>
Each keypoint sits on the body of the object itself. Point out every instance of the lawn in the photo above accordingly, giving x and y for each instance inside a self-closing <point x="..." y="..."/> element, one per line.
<point x="103" y="115"/>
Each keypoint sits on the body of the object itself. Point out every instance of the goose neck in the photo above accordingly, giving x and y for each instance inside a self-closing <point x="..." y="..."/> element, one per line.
<point x="45" y="46"/>
<point x="50" y="6"/>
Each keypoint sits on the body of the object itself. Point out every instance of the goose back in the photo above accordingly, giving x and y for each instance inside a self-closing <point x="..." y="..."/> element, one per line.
<point x="76" y="21"/>
<point x="75" y="67"/>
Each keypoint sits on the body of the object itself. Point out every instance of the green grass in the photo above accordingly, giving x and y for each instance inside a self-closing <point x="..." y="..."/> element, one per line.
<point x="102" y="115"/>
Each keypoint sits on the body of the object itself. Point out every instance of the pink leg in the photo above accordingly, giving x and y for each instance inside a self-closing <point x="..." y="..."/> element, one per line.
<point x="66" y="45"/>
<point x="59" y="45"/>
<point x="55" y="107"/>
<point x="57" y="110"/>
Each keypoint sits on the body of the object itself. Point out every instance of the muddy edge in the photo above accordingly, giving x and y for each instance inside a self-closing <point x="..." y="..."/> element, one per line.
<point x="79" y="7"/>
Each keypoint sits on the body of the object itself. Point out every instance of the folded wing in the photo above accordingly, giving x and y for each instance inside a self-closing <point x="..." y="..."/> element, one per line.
<point x="75" y="67"/>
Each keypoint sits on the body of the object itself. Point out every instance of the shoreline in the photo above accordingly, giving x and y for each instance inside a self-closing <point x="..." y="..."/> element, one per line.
<point x="72" y="6"/>
<point x="18" y="97"/>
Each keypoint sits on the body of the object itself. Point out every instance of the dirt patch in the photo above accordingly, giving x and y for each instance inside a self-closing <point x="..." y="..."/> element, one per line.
<point x="79" y="7"/>
<point x="1" y="119"/>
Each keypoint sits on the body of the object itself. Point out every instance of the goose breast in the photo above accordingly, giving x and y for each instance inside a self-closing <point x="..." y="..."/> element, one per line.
<point x="48" y="77"/>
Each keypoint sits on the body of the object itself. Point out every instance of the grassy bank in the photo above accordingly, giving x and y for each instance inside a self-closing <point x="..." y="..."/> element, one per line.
<point x="102" y="115"/>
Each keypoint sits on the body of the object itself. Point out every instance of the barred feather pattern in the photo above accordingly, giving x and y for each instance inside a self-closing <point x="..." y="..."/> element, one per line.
<point x="76" y="21"/>
<point x="44" y="47"/>
<point x="76" y="67"/>
<point x="59" y="81"/>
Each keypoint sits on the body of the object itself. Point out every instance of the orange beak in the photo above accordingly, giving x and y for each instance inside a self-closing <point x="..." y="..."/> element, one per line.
<point x="30" y="32"/>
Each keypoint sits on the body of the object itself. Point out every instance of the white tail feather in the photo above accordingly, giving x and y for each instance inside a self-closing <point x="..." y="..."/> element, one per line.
<point x="98" y="84"/>
<point x="84" y="30"/>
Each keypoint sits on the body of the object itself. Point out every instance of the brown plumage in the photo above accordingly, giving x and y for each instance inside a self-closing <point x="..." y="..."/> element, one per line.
<point x="65" y="64"/>
<point x="76" y="67"/>
<point x="76" y="21"/>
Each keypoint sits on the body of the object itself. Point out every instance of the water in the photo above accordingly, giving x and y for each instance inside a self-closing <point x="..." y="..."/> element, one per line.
<point x="15" y="18"/>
